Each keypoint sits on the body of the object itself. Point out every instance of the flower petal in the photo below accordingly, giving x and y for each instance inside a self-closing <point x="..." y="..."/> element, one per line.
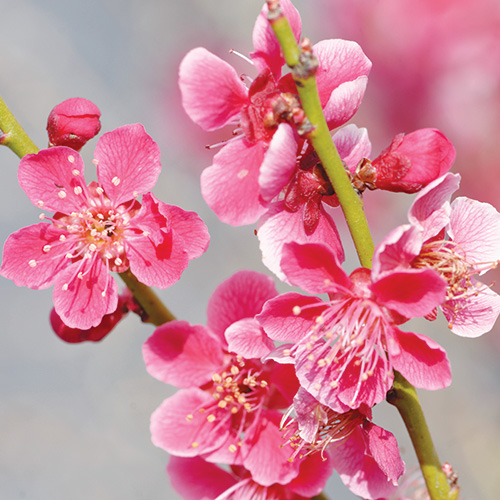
<point x="53" y="179"/>
<point x="231" y="185"/>
<point x="128" y="163"/>
<point x="183" y="355"/>
<point x="353" y="145"/>
<point x="246" y="338"/>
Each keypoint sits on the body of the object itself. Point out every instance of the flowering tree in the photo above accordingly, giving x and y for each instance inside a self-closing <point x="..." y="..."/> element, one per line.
<point x="278" y="389"/>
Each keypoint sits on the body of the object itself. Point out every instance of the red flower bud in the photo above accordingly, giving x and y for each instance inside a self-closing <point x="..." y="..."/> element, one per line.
<point x="73" y="122"/>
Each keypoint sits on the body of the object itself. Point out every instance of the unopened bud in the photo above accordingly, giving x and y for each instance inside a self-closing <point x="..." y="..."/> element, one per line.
<point x="73" y="122"/>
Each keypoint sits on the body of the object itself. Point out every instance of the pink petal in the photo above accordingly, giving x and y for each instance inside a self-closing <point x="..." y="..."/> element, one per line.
<point x="284" y="384"/>
<point x="50" y="178"/>
<point x="475" y="314"/>
<point x="314" y="268"/>
<point x="411" y="293"/>
<point x="279" y="321"/>
<point x="240" y="296"/>
<point x="475" y="227"/>
<point x="212" y="92"/>
<point x="246" y="338"/>
<point x="383" y="447"/>
<point x="82" y="302"/>
<point x="26" y="246"/>
<point x="182" y="355"/>
<point x="313" y="475"/>
<point x="279" y="162"/>
<point x="128" y="163"/>
<point x="279" y="226"/>
<point x="340" y="62"/>
<point x="267" y="49"/>
<point x="420" y="360"/>
<point x="157" y="265"/>
<point x="195" y="479"/>
<point x="189" y="227"/>
<point x="173" y="429"/>
<point x="231" y="185"/>
<point x="344" y="102"/>
<point x="353" y="145"/>
<point x="149" y="221"/>
<point x="431" y="207"/>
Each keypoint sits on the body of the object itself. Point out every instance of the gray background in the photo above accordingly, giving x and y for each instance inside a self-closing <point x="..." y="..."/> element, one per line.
<point x="74" y="419"/>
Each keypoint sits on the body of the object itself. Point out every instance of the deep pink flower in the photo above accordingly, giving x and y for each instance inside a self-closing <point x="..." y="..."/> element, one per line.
<point x="226" y="409"/>
<point x="99" y="228"/>
<point x="73" y="122"/>
<point x="457" y="240"/>
<point x="195" y="479"/>
<point x="365" y="455"/>
<point x="346" y="348"/>
<point x="411" y="162"/>
<point x="302" y="212"/>
<point x="251" y="169"/>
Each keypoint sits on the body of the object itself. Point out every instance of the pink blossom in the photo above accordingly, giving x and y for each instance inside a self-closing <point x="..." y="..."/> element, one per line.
<point x="346" y="348"/>
<point x="99" y="228"/>
<point x="73" y="122"/>
<point x="365" y="455"/>
<point x="458" y="241"/>
<point x="411" y="162"/>
<point x="252" y="169"/>
<point x="226" y="409"/>
<point x="195" y="479"/>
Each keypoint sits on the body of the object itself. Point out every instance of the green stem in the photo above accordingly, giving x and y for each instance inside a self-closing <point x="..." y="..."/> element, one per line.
<point x="147" y="298"/>
<point x="404" y="397"/>
<point x="12" y="134"/>
<point x="303" y="65"/>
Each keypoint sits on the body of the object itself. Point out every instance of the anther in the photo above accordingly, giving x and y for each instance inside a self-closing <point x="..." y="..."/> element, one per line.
<point x="32" y="263"/>
<point x="46" y="248"/>
<point x="296" y="310"/>
<point x="115" y="180"/>
<point x="61" y="194"/>
<point x="232" y="448"/>
<point x="211" y="418"/>
<point x="78" y="190"/>
<point x="75" y="172"/>
<point x="39" y="203"/>
<point x="71" y="159"/>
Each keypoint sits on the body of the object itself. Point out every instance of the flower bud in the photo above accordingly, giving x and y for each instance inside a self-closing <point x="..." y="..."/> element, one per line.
<point x="412" y="161"/>
<point x="73" y="122"/>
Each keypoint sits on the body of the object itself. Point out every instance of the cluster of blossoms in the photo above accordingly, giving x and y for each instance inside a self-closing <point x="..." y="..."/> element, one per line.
<point x="279" y="389"/>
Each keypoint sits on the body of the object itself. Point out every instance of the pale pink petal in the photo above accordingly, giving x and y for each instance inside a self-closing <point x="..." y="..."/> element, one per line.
<point x="158" y="265"/>
<point x="195" y="479"/>
<point x="212" y="92"/>
<point x="279" y="226"/>
<point x="281" y="355"/>
<point x="265" y="456"/>
<point x="420" y="360"/>
<point x="180" y="429"/>
<point x="27" y="264"/>
<point x="267" y="49"/>
<point x="231" y="185"/>
<point x="474" y="315"/>
<point x="314" y="268"/>
<point x="53" y="179"/>
<point x="128" y="162"/>
<point x="81" y="302"/>
<point x="246" y="338"/>
<point x="308" y="410"/>
<point x="358" y="470"/>
<point x="383" y="447"/>
<point x="339" y="62"/>
<point x="353" y="145"/>
<point x="183" y="355"/>
<point x="279" y="162"/>
<point x="431" y="207"/>
<point x="344" y="102"/>
<point x="475" y="227"/>
<point x="240" y="296"/>
<point x="189" y="227"/>
<point x="279" y="321"/>
<point x="397" y="250"/>
<point x="412" y="293"/>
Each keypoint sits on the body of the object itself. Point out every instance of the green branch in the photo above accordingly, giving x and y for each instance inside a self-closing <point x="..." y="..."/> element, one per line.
<point x="12" y="134"/>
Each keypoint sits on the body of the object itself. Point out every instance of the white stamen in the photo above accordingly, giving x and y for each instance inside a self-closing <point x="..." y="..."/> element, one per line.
<point x="95" y="162"/>
<point x="242" y="173"/>
<point x="46" y="248"/>
<point x="76" y="172"/>
<point x="118" y="261"/>
<point x="61" y="194"/>
<point x="32" y="263"/>
<point x="100" y="190"/>
<point x="65" y="286"/>
<point x="115" y="180"/>
<point x="78" y="190"/>
<point x="39" y="203"/>
<point x="62" y="237"/>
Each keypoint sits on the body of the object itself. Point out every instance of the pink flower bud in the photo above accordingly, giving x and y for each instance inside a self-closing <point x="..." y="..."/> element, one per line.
<point x="412" y="161"/>
<point x="73" y="122"/>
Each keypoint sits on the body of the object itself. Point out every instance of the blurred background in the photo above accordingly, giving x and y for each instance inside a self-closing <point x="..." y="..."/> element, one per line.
<point x="74" y="419"/>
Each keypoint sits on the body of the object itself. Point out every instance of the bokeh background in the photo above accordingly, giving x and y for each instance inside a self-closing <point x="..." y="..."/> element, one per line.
<point x="74" y="419"/>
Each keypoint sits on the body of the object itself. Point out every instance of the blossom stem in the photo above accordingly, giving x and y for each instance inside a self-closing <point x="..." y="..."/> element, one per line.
<point x="12" y="134"/>
<point x="321" y="496"/>
<point x="154" y="308"/>
<point x="404" y="397"/>
<point x="303" y="64"/>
